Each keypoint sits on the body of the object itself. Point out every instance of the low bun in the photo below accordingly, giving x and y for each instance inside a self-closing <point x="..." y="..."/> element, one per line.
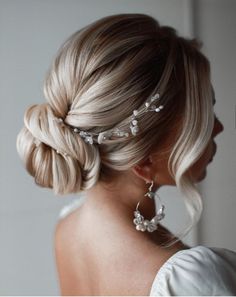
<point x="54" y="155"/>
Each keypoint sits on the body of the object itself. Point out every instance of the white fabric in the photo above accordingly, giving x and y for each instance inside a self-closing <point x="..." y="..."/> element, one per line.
<point x="205" y="271"/>
<point x="199" y="271"/>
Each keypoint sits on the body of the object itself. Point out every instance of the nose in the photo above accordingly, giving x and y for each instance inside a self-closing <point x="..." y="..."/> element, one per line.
<point x="218" y="127"/>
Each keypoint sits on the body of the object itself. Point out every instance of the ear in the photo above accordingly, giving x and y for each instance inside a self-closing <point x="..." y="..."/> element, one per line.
<point x="144" y="169"/>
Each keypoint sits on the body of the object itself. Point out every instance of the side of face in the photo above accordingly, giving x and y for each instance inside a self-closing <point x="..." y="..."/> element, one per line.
<point x="156" y="166"/>
<point x="198" y="170"/>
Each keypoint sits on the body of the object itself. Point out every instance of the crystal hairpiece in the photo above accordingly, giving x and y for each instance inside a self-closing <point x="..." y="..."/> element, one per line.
<point x="90" y="137"/>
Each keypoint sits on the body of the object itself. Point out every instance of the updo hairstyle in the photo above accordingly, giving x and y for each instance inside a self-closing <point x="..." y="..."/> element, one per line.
<point x="100" y="75"/>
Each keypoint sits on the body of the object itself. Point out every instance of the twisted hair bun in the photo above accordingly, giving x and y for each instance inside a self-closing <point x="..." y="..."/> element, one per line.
<point x="55" y="156"/>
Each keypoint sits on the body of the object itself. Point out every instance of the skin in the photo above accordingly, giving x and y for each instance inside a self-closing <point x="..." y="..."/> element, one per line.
<point x="102" y="229"/>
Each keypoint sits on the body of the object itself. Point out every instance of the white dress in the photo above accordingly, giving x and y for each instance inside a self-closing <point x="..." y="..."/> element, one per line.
<point x="198" y="271"/>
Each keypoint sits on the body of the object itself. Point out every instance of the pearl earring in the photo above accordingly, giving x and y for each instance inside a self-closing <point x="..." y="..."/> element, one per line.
<point x="144" y="224"/>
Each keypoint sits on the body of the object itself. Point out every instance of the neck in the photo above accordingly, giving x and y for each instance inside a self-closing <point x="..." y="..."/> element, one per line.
<point x="117" y="204"/>
<point x="122" y="199"/>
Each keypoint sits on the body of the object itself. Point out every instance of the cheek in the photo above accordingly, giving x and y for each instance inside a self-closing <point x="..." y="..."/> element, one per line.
<point x="161" y="173"/>
<point x="198" y="169"/>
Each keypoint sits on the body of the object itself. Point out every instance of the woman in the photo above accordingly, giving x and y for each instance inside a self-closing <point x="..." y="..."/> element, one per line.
<point x="130" y="109"/>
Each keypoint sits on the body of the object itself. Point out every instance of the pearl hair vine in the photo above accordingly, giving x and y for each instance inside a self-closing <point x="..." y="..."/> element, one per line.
<point x="99" y="138"/>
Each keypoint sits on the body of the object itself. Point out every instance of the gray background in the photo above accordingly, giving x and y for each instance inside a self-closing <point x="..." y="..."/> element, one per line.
<point x="30" y="33"/>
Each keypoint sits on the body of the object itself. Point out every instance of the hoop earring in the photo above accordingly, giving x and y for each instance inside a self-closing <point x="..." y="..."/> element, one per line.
<point x="144" y="224"/>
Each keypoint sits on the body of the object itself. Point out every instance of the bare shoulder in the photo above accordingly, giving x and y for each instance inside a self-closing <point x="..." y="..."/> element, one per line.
<point x="79" y="260"/>
<point x="63" y="232"/>
<point x="64" y="248"/>
<point x="66" y="226"/>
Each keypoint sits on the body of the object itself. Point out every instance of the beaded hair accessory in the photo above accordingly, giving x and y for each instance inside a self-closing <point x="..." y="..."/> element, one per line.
<point x="99" y="138"/>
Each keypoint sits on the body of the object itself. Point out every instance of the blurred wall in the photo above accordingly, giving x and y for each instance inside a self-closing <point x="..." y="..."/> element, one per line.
<point x="30" y="33"/>
<point x="215" y="24"/>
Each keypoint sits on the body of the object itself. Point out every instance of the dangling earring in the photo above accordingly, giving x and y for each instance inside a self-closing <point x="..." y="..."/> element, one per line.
<point x="152" y="225"/>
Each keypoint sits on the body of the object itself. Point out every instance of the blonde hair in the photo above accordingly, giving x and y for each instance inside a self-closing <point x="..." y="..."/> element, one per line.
<point x="100" y="75"/>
